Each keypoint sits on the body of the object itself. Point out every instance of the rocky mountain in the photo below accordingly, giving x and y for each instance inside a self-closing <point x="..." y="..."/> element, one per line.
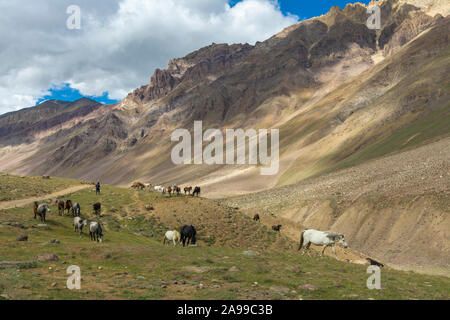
<point x="340" y="93"/>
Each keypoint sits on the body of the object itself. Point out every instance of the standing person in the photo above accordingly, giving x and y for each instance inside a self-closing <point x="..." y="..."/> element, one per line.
<point x="97" y="188"/>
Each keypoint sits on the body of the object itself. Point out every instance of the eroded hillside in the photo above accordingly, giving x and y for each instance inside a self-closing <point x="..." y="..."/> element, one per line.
<point x="334" y="88"/>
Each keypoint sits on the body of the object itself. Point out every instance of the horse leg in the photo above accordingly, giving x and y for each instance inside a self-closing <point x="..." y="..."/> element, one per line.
<point x="334" y="250"/>
<point x="323" y="250"/>
<point x="307" y="245"/>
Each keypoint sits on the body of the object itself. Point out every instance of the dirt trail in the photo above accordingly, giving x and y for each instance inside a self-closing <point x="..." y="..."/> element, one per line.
<point x="23" y="202"/>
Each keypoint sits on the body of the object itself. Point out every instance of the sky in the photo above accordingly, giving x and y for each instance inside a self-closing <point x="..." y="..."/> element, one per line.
<point x="121" y="42"/>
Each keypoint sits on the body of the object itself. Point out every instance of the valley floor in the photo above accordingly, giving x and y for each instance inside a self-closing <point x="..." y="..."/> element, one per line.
<point x="236" y="258"/>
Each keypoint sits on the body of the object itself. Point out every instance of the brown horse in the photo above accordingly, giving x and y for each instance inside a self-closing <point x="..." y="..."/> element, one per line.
<point x="61" y="207"/>
<point x="169" y="191"/>
<point x="177" y="190"/>
<point x="188" y="190"/>
<point x="138" y="186"/>
<point x="68" y="206"/>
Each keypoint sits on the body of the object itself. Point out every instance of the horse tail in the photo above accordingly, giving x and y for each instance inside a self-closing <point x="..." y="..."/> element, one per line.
<point x="164" y="240"/>
<point x="301" y="241"/>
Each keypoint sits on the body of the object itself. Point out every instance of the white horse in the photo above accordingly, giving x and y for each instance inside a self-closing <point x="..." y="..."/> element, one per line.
<point x="148" y="186"/>
<point x="95" y="231"/>
<point x="79" y="223"/>
<point x="158" y="188"/>
<point x="173" y="236"/>
<point x="321" y="238"/>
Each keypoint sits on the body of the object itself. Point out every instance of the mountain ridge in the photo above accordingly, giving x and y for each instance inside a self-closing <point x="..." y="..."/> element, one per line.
<point x="289" y="80"/>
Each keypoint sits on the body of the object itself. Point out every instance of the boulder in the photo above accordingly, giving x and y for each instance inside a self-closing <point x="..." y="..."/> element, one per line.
<point x="47" y="257"/>
<point x="233" y="269"/>
<point x="308" y="287"/>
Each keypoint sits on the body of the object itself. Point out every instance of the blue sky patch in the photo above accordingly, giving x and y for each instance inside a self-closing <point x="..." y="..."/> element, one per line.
<point x="66" y="93"/>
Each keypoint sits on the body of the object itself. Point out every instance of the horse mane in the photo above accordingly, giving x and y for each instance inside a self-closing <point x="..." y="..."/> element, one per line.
<point x="333" y="236"/>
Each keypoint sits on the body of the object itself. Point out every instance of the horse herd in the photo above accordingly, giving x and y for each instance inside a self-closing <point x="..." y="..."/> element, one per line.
<point x="95" y="228"/>
<point x="186" y="236"/>
<point x="170" y="190"/>
<point x="187" y="233"/>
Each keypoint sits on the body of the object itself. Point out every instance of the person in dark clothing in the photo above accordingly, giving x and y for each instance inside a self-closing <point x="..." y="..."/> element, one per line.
<point x="97" y="188"/>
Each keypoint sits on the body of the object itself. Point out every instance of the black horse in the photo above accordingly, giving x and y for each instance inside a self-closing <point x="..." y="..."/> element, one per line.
<point x="196" y="191"/>
<point x="256" y="217"/>
<point x="97" y="208"/>
<point x="276" y="228"/>
<point x="374" y="262"/>
<point x="188" y="233"/>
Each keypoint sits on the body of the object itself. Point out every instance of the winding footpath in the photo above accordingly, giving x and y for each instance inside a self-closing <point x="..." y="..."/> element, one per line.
<point x="23" y="202"/>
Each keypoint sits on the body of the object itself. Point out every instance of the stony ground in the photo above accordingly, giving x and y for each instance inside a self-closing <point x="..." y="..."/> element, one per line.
<point x="414" y="172"/>
<point x="396" y="208"/>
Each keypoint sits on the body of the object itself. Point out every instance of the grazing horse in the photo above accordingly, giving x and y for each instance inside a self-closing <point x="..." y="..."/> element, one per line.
<point x="97" y="208"/>
<point x="196" y="191"/>
<point x="79" y="223"/>
<point x="76" y="209"/>
<point x="60" y="204"/>
<point x="173" y="236"/>
<point x="138" y="186"/>
<point x="188" y="233"/>
<point x="276" y="228"/>
<point x="46" y="177"/>
<point x="321" y="238"/>
<point x="188" y="190"/>
<point x="158" y="188"/>
<point x="169" y="191"/>
<point x="68" y="206"/>
<point x="256" y="217"/>
<point x="41" y="210"/>
<point x="95" y="231"/>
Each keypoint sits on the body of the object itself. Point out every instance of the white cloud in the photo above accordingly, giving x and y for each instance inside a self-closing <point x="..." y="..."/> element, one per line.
<point x="120" y="42"/>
